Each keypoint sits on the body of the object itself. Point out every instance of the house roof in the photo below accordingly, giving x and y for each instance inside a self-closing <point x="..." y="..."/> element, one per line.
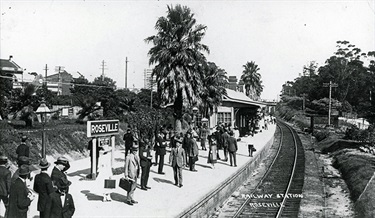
<point x="240" y="97"/>
<point x="9" y="66"/>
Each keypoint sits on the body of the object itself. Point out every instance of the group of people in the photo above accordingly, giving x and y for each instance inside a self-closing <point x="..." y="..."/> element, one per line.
<point x="52" y="188"/>
<point x="184" y="152"/>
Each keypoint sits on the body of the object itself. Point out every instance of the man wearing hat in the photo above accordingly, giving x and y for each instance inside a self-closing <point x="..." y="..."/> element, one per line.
<point x="20" y="197"/>
<point x="145" y="162"/>
<point x="177" y="161"/>
<point x="23" y="149"/>
<point x="43" y="186"/>
<point x="128" y="138"/>
<point x="62" y="165"/>
<point x="160" y="151"/>
<point x="22" y="160"/>
<point x="5" y="178"/>
<point x="132" y="165"/>
<point x="61" y="204"/>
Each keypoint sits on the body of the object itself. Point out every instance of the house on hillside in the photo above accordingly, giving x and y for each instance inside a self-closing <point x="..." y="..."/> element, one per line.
<point x="9" y="70"/>
<point x="60" y="82"/>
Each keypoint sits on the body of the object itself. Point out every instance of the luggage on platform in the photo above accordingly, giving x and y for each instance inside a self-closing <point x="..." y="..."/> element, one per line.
<point x="109" y="183"/>
<point x="125" y="184"/>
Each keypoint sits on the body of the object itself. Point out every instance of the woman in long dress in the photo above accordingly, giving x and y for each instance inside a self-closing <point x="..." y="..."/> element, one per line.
<point x="212" y="151"/>
<point x="105" y="171"/>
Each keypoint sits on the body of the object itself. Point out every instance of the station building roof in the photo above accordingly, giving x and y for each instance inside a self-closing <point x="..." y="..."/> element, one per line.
<point x="8" y="66"/>
<point x="241" y="99"/>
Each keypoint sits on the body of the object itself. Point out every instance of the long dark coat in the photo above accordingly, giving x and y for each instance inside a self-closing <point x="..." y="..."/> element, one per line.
<point x="57" y="210"/>
<point x="18" y="201"/>
<point x="5" y="178"/>
<point x="43" y="186"/>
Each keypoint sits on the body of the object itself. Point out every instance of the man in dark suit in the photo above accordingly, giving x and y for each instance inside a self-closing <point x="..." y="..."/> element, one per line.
<point x="232" y="148"/>
<point x="192" y="151"/>
<point x="224" y="138"/>
<point x="128" y="138"/>
<point x="177" y="161"/>
<point x="98" y="149"/>
<point x="5" y="178"/>
<point x="22" y="160"/>
<point x="162" y="144"/>
<point x="20" y="197"/>
<point x="145" y="159"/>
<point x="62" y="204"/>
<point x="43" y="186"/>
<point x="62" y="165"/>
<point x="23" y="149"/>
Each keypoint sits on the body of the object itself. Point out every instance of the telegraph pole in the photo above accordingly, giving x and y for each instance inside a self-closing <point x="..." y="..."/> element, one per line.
<point x="45" y="77"/>
<point x="330" y="85"/>
<point x="126" y="73"/>
<point x="59" y="86"/>
<point x="303" y="103"/>
<point x="103" y="67"/>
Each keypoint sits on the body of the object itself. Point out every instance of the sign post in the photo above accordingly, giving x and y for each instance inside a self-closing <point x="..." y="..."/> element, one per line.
<point x="102" y="128"/>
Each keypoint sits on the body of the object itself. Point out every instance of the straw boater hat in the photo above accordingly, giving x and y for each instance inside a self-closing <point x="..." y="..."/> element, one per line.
<point x="63" y="183"/>
<point x="179" y="140"/>
<point x="24" y="138"/>
<point x="43" y="164"/>
<point x="23" y="170"/>
<point x="3" y="159"/>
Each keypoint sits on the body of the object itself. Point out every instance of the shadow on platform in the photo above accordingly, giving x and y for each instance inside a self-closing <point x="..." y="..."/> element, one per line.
<point x="91" y="196"/>
<point x="118" y="197"/>
<point x="81" y="173"/>
<point x="163" y="181"/>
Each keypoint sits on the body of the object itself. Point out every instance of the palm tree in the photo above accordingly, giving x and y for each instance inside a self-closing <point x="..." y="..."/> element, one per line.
<point x="177" y="55"/>
<point x="213" y="90"/>
<point x="252" y="80"/>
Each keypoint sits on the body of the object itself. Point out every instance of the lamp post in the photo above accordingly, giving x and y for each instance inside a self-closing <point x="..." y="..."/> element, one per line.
<point x="42" y="112"/>
<point x="195" y="111"/>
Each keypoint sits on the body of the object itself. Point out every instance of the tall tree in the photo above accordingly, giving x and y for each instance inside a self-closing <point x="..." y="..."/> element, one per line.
<point x="214" y="81"/>
<point x="252" y="79"/>
<point x="177" y="55"/>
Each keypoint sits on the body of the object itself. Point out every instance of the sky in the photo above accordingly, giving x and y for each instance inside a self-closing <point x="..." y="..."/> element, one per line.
<point x="279" y="36"/>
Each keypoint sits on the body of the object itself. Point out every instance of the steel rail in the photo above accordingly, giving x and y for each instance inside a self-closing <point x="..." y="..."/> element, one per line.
<point x="242" y="207"/>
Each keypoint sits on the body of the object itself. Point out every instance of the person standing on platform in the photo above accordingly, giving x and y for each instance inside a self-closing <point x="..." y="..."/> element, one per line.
<point x="232" y="148"/>
<point x="61" y="204"/>
<point x="203" y="136"/>
<point x="22" y="160"/>
<point x="192" y="152"/>
<point x="5" y="178"/>
<point x="132" y="170"/>
<point x="145" y="162"/>
<point x="98" y="149"/>
<point x="219" y="140"/>
<point x="62" y="165"/>
<point x="224" y="138"/>
<point x="23" y="149"/>
<point x="212" y="151"/>
<point x="162" y="144"/>
<point x="128" y="138"/>
<point x="43" y="186"/>
<point x="177" y="161"/>
<point x="20" y="197"/>
<point x="185" y="146"/>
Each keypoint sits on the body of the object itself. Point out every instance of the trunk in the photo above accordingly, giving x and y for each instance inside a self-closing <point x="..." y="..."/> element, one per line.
<point x="177" y="106"/>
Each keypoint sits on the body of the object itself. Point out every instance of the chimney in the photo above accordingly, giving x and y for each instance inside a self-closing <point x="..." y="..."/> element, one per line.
<point x="10" y="57"/>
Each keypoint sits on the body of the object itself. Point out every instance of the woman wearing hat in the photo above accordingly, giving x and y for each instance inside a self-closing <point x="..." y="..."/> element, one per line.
<point x="43" y="186"/>
<point x="5" y="176"/>
<point x="20" y="197"/>
<point x="62" y="204"/>
<point x="62" y="165"/>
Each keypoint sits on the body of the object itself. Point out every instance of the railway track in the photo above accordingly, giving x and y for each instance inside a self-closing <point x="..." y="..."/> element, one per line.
<point x="279" y="191"/>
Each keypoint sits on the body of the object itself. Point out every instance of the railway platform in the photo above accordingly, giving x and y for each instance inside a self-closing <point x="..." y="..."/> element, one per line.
<point x="201" y="190"/>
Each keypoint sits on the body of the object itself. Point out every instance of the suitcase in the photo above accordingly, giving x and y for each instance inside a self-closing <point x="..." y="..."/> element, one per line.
<point x="109" y="183"/>
<point x="125" y="184"/>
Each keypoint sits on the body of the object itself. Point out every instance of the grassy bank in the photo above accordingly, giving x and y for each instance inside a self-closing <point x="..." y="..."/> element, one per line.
<point x="62" y="138"/>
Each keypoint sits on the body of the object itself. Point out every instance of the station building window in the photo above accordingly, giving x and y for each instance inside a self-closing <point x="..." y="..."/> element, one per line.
<point x="224" y="117"/>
